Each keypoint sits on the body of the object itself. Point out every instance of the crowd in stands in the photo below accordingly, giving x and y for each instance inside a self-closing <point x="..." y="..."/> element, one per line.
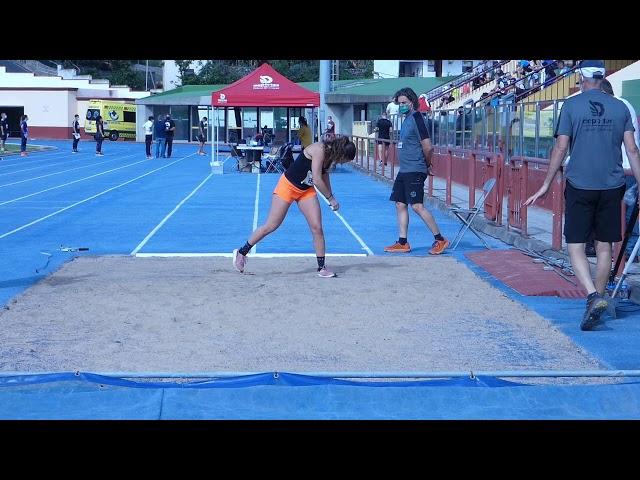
<point x="529" y="75"/>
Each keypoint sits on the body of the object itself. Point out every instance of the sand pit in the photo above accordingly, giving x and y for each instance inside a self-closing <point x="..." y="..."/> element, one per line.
<point x="125" y="314"/>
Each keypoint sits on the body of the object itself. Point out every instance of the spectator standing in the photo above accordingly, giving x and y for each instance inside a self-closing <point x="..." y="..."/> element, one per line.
<point x="75" y="132"/>
<point x="99" y="135"/>
<point x="148" y="136"/>
<point x="160" y="138"/>
<point x="169" y="131"/>
<point x="4" y="131"/>
<point x="383" y="129"/>
<point x="24" y="135"/>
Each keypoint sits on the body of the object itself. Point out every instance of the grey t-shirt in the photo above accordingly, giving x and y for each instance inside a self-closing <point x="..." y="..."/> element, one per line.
<point x="595" y="122"/>
<point x="410" y="151"/>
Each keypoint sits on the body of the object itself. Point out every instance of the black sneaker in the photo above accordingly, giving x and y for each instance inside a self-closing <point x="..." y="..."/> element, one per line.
<point x="596" y="305"/>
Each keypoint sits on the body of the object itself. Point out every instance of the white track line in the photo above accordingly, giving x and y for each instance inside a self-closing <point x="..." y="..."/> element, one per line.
<point x="41" y="166"/>
<point x="355" y="235"/>
<point x="255" y="212"/>
<point x="257" y="255"/>
<point x="168" y="216"/>
<point x="64" y="171"/>
<point x="69" y="183"/>
<point x="15" y="230"/>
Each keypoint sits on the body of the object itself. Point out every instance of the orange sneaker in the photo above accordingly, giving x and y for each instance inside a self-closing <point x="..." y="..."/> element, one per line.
<point x="397" y="248"/>
<point x="439" y="246"/>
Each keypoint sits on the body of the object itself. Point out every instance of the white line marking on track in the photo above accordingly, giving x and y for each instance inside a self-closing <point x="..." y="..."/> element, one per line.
<point x="15" y="230"/>
<point x="64" y="171"/>
<point x="168" y="216"/>
<point x="255" y="212"/>
<point x="355" y="235"/>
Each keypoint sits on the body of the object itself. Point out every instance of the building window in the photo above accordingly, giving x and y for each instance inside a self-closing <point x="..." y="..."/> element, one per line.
<point x="467" y="65"/>
<point x="431" y="65"/>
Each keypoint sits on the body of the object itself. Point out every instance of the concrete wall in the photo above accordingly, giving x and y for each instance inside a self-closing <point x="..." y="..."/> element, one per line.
<point x="342" y="116"/>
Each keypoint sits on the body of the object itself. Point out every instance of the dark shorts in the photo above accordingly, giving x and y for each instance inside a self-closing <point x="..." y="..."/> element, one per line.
<point x="597" y="211"/>
<point x="202" y="138"/>
<point x="383" y="141"/>
<point x="408" y="188"/>
<point x="3" y="137"/>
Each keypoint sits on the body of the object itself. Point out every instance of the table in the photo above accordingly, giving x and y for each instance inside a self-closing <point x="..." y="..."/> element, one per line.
<point x="253" y="154"/>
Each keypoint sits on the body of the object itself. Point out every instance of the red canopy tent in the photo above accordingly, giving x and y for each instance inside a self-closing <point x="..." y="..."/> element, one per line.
<point x="264" y="87"/>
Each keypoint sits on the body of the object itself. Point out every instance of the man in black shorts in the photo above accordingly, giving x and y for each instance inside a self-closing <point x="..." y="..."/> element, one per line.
<point x="202" y="135"/>
<point x="594" y="124"/>
<point x="414" y="153"/>
<point x="383" y="130"/>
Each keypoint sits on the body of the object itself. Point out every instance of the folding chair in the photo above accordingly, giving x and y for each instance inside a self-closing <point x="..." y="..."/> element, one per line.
<point x="241" y="161"/>
<point x="467" y="215"/>
<point x="274" y="163"/>
<point x="277" y="164"/>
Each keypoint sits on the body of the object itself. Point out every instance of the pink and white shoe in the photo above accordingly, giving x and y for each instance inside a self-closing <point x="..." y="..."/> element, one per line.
<point x="324" y="272"/>
<point x="239" y="261"/>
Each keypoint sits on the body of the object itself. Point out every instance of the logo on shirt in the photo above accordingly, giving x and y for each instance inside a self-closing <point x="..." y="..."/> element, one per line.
<point x="597" y="109"/>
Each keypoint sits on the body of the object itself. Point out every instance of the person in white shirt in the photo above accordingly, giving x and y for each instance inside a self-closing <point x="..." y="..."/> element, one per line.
<point x="393" y="114"/>
<point x="148" y="136"/>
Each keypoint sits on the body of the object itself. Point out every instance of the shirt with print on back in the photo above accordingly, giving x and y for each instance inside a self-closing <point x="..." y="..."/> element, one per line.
<point x="595" y="122"/>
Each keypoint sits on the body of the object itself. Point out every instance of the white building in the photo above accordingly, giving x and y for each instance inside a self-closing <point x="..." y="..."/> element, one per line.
<point x="171" y="73"/>
<point x="421" y="68"/>
<point x="52" y="101"/>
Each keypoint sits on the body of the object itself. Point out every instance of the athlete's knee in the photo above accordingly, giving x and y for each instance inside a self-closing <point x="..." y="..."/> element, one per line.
<point x="316" y="230"/>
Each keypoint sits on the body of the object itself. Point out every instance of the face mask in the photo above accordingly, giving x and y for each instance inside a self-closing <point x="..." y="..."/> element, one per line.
<point x="403" y="109"/>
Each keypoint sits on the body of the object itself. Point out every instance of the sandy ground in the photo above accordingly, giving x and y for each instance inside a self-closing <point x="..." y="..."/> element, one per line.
<point x="130" y="314"/>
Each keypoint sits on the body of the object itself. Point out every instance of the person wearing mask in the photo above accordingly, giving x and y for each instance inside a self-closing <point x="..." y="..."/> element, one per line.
<point x="148" y="136"/>
<point x="414" y="153"/>
<point x="75" y="132"/>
